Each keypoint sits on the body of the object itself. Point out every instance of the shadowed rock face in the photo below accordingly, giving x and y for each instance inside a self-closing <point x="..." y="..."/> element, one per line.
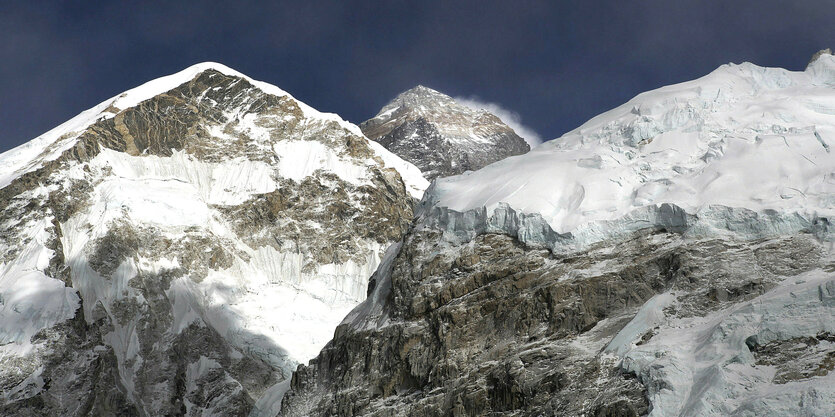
<point x="487" y="329"/>
<point x="440" y="136"/>
<point x="148" y="336"/>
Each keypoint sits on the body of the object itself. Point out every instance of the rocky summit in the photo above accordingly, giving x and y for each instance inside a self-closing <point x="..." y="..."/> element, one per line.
<point x="180" y="248"/>
<point x="441" y="136"/>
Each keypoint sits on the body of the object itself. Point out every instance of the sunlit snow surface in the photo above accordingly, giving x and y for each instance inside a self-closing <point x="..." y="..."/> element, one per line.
<point x="29" y="299"/>
<point x="742" y="136"/>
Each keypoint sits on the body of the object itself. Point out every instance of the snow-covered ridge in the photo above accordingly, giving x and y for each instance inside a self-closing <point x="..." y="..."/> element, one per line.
<point x="50" y="145"/>
<point x="416" y="184"/>
<point x="743" y="136"/>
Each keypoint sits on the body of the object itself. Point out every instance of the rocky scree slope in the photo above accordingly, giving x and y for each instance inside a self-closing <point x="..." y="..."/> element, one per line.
<point x="180" y="248"/>
<point x="441" y="136"/>
<point x="671" y="257"/>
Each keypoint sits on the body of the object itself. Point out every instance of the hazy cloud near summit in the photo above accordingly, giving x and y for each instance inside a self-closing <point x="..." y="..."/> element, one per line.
<point x="509" y="117"/>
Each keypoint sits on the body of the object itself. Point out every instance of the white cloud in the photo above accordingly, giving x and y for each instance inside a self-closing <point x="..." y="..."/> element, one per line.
<point x="509" y="117"/>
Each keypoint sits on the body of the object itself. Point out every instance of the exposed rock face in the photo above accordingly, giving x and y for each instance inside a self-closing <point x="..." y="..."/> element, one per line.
<point x="491" y="326"/>
<point x="180" y="249"/>
<point x="671" y="257"/>
<point x="440" y="136"/>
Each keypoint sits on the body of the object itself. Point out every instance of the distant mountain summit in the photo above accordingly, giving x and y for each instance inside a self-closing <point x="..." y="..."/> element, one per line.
<point x="441" y="136"/>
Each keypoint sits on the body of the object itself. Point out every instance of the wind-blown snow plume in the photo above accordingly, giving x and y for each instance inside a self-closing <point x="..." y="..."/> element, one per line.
<point x="509" y="117"/>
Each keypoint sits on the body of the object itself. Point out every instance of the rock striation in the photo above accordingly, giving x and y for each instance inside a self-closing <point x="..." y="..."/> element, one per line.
<point x="495" y="327"/>
<point x="441" y="136"/>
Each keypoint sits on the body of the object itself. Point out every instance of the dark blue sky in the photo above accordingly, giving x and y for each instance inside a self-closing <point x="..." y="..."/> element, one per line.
<point x="556" y="64"/>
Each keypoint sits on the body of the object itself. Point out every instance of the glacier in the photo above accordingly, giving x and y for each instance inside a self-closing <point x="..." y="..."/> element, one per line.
<point x="742" y="136"/>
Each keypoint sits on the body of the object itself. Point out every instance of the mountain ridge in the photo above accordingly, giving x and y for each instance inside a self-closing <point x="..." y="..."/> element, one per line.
<point x="12" y="158"/>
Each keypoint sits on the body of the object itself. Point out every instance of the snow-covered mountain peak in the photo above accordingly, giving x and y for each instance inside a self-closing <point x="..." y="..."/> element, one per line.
<point x="160" y="85"/>
<point x="203" y="228"/>
<point x="742" y="136"/>
<point x="433" y="106"/>
<point x="419" y="99"/>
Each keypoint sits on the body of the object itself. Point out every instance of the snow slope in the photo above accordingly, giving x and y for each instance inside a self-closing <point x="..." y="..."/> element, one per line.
<point x="742" y="136"/>
<point x="702" y="366"/>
